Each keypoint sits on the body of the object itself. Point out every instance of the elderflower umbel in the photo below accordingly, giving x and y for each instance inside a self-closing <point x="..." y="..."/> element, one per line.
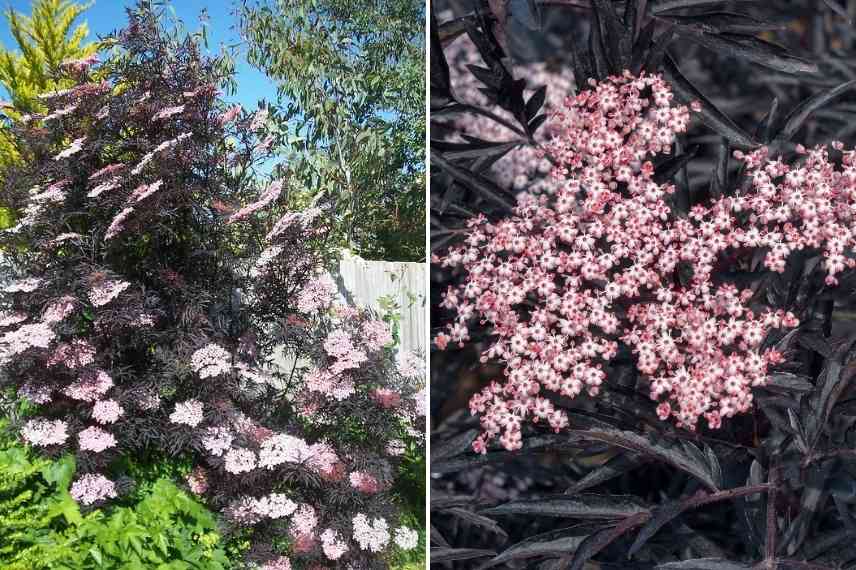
<point x="549" y="278"/>
<point x="211" y="360"/>
<point x="188" y="413"/>
<point x="92" y="488"/>
<point x="95" y="439"/>
<point x="42" y="433"/>
<point x="372" y="536"/>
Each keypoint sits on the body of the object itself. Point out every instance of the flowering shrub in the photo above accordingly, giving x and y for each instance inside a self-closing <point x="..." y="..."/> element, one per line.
<point x="149" y="303"/>
<point x="664" y="330"/>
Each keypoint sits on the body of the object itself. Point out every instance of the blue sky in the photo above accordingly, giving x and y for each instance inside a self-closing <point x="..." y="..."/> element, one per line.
<point x="106" y="16"/>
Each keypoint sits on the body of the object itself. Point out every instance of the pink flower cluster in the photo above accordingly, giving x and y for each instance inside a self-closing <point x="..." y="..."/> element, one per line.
<point x="107" y="290"/>
<point x="340" y="346"/>
<point x="107" y="411"/>
<point x="281" y="563"/>
<point x="324" y="382"/>
<point x="197" y="481"/>
<point x="92" y="488"/>
<point x="266" y="198"/>
<point x="371" y="535"/>
<point x="239" y="460"/>
<point x="91" y="385"/>
<point x="95" y="439"/>
<point x="569" y="275"/>
<point x="217" y="440"/>
<point x="189" y="413"/>
<point x="25" y="337"/>
<point x="211" y="360"/>
<point x="43" y="433"/>
<point x="75" y="354"/>
<point x="317" y="295"/>
<point x="406" y="538"/>
<point x="332" y="544"/>
<point x="364" y="482"/>
<point x="376" y="335"/>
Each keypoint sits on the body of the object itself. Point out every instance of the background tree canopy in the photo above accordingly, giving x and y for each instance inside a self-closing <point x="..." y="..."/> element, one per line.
<point x="351" y="114"/>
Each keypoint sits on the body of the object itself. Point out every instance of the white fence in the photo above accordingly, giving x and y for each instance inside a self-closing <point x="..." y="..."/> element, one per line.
<point x="364" y="282"/>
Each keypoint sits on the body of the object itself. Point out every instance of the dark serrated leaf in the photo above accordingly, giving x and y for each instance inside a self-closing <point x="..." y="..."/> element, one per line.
<point x="669" y="5"/>
<point x="439" y="555"/>
<point x="666" y="170"/>
<point x="710" y="114"/>
<point x="481" y="184"/>
<point x="474" y="148"/>
<point x="536" y="123"/>
<point x="703" y="564"/>
<point x="615" y="467"/>
<point x="788" y="382"/>
<point x="560" y="541"/>
<point x="452" y="447"/>
<point x="658" y="51"/>
<point x="721" y="21"/>
<point x="664" y="450"/>
<point x="582" y="506"/>
<point x="441" y="88"/>
<point x="475" y="519"/>
<point x="612" y="32"/>
<point x="596" y="542"/>
<point x="750" y="48"/>
<point x="797" y="117"/>
<point x="535" y="102"/>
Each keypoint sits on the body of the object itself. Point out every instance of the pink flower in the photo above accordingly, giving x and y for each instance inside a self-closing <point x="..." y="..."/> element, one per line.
<point x="117" y="226"/>
<point x="188" y="413"/>
<point x="229" y="115"/>
<point x="406" y="538"/>
<point x="410" y="365"/>
<point x="168" y="112"/>
<point x="106" y="186"/>
<point x="281" y="563"/>
<point x="108" y="170"/>
<point x="376" y="335"/>
<point x="217" y="440"/>
<point x="95" y="439"/>
<point x="44" y="433"/>
<point x="91" y="385"/>
<point x="73" y="355"/>
<point x="332" y="544"/>
<point x="364" y="483"/>
<point x="197" y="481"/>
<point x="59" y="310"/>
<point x="210" y="361"/>
<point x="9" y="318"/>
<point x="74" y="148"/>
<point x="371" y="535"/>
<point x="239" y="461"/>
<point x="92" y="488"/>
<point x="304" y="521"/>
<point x="107" y="411"/>
<point x="38" y="335"/>
<point x="282" y="448"/>
<point x="267" y="197"/>
<point x="143" y="191"/>
<point x="317" y="295"/>
<point x="106" y="291"/>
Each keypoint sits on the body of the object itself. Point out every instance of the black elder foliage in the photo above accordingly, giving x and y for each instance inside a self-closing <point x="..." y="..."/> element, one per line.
<point x="619" y="488"/>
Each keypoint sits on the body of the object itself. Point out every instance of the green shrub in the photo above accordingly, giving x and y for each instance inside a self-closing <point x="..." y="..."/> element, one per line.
<point x="41" y="527"/>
